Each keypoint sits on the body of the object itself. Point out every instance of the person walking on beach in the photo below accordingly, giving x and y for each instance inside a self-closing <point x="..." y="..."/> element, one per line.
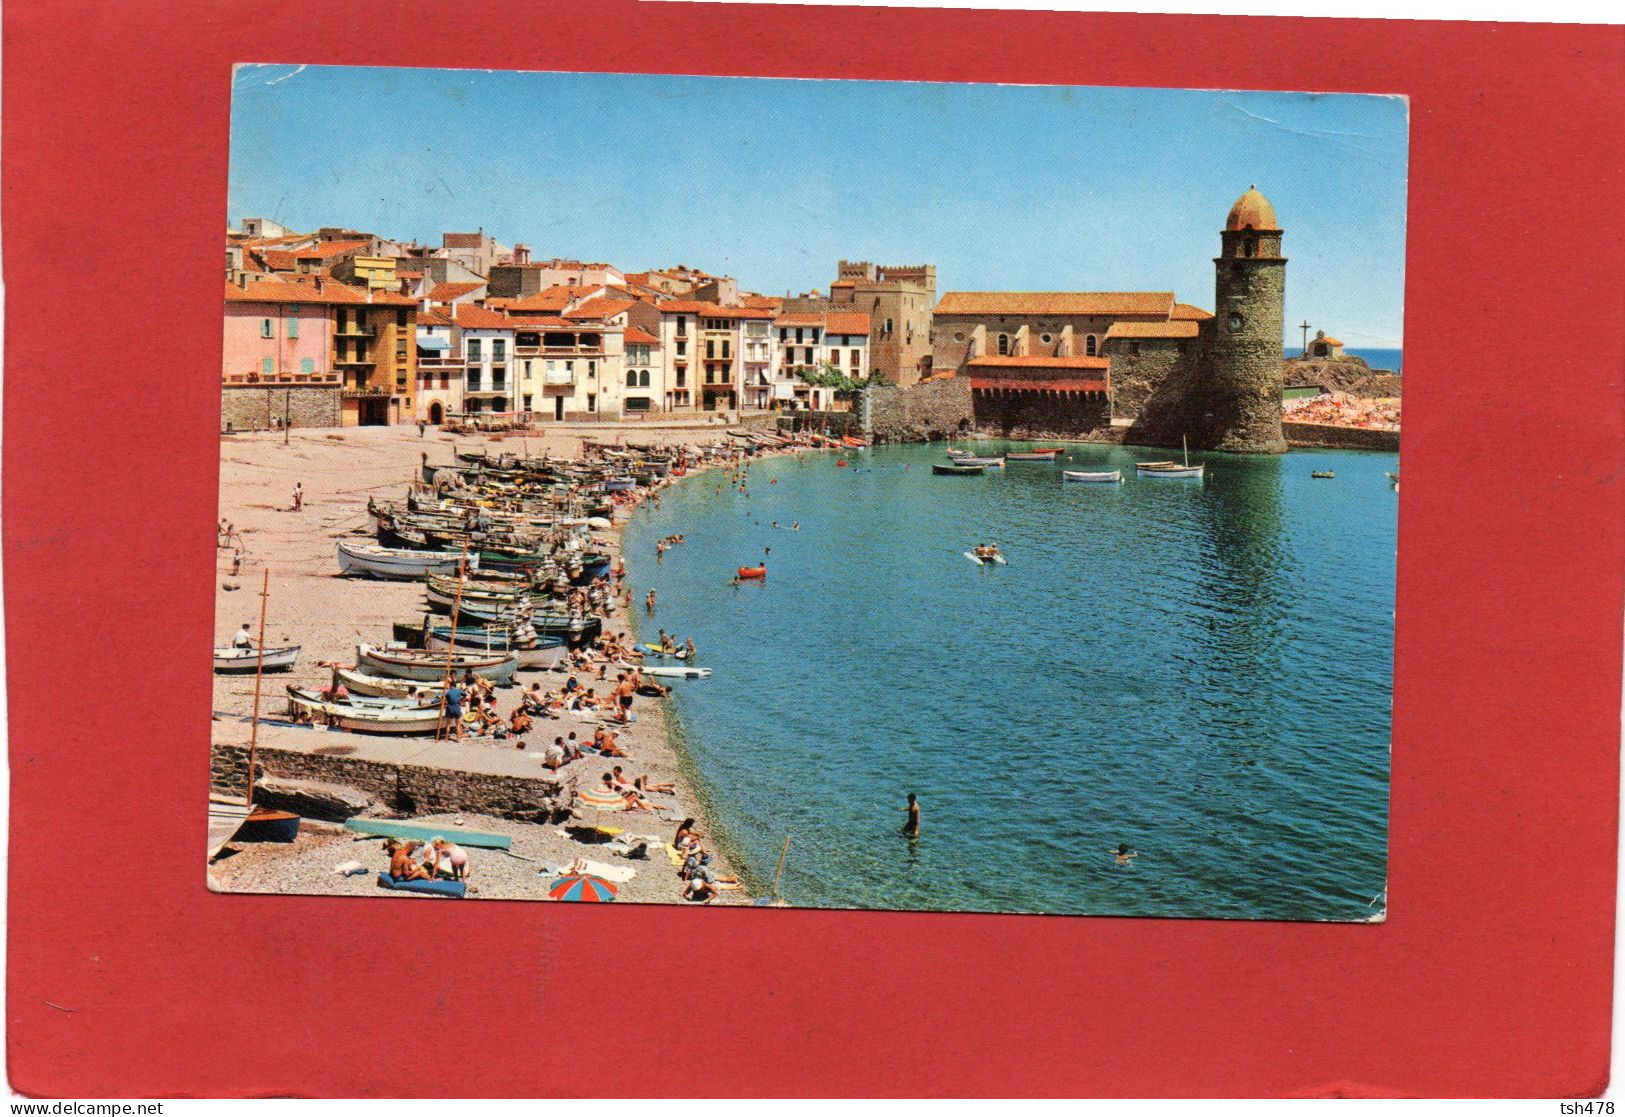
<point x="423" y="426"/>
<point x="298" y="496"/>
<point x="236" y="561"/>
<point x="911" y="828"/>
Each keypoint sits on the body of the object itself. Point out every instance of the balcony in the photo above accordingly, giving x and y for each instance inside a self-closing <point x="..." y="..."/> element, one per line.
<point x="358" y="360"/>
<point x="558" y="379"/>
<point x="354" y="331"/>
<point x="438" y="364"/>
<point x="571" y="351"/>
<point x="369" y="391"/>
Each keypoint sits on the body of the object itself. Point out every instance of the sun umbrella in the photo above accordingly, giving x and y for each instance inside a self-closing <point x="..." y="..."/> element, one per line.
<point x="602" y="799"/>
<point x="582" y="888"/>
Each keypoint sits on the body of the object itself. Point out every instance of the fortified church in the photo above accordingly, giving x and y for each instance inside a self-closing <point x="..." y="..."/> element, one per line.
<point x="1072" y="362"/>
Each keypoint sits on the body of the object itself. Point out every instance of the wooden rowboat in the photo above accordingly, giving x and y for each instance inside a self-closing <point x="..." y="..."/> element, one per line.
<point x="1167" y="469"/>
<point x="990" y="463"/>
<point x="430" y="667"/>
<point x="1032" y="456"/>
<point x="958" y="470"/>
<point x="396" y="720"/>
<point x="382" y="686"/>
<point x="391" y="564"/>
<point x="231" y="661"/>
<point x="1107" y="477"/>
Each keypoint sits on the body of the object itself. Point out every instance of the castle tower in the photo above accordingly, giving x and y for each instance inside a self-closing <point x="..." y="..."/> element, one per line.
<point x="1240" y="408"/>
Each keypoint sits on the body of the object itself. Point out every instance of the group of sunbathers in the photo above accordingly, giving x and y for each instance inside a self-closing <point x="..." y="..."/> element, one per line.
<point x="436" y="859"/>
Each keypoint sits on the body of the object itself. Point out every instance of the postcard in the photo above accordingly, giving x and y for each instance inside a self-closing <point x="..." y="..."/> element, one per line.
<point x="839" y="494"/>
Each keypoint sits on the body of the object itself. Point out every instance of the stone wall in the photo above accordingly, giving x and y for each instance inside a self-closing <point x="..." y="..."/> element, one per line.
<point x="1340" y="438"/>
<point x="252" y="408"/>
<point x="405" y="789"/>
<point x="928" y="410"/>
<point x="1023" y="414"/>
<point x="1136" y="378"/>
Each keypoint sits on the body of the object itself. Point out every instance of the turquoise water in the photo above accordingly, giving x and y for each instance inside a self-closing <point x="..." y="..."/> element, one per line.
<point x="1199" y="669"/>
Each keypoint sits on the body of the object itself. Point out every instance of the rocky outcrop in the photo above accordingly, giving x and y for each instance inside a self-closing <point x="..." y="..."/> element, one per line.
<point x="1347" y="374"/>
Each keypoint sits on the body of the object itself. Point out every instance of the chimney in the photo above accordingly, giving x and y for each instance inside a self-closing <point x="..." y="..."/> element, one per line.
<point x="318" y="283"/>
<point x="521" y="254"/>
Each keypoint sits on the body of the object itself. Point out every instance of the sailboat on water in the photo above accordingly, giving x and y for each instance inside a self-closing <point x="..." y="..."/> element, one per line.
<point x="1172" y="469"/>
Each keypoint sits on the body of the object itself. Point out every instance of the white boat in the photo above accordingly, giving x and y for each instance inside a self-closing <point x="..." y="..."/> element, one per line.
<point x="542" y="654"/>
<point x="1171" y="469"/>
<point x="430" y="667"/>
<point x="675" y="672"/>
<point x="372" y="561"/>
<point x="1167" y="469"/>
<point x="990" y="463"/>
<point x="986" y="560"/>
<point x="381" y="686"/>
<point x="368" y="701"/>
<point x="408" y="720"/>
<point x="1108" y="477"/>
<point x="230" y="661"/>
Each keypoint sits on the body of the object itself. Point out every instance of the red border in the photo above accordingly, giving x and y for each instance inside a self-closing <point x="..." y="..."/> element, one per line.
<point x="1492" y="975"/>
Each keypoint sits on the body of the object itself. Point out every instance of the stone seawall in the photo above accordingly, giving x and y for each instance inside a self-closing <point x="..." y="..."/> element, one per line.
<point x="930" y="410"/>
<point x="252" y="408"/>
<point x="396" y="788"/>
<point x="1328" y="437"/>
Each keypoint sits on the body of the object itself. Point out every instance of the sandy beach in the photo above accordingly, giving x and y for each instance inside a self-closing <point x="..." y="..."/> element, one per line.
<point x="328" y="615"/>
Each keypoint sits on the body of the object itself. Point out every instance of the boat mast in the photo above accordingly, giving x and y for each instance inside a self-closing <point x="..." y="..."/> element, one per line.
<point x="1186" y="444"/>
<point x="451" y="642"/>
<point x="783" y="853"/>
<point x="259" y="673"/>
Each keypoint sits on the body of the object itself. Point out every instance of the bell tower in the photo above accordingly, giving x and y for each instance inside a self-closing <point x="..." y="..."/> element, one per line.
<point x="1240" y="409"/>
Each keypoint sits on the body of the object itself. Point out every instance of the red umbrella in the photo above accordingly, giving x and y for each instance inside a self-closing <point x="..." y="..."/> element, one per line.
<point x="582" y="888"/>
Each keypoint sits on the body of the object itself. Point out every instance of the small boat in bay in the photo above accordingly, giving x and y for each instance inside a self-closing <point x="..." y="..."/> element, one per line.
<point x="986" y="556"/>
<point x="1323" y="474"/>
<point x="753" y="572"/>
<point x="1103" y="477"/>
<point x="1171" y="469"/>
<point x="1032" y="455"/>
<point x="233" y="661"/>
<point x="957" y="470"/>
<point x="989" y="463"/>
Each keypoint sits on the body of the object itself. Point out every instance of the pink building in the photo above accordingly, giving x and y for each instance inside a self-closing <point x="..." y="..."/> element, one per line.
<point x="282" y="333"/>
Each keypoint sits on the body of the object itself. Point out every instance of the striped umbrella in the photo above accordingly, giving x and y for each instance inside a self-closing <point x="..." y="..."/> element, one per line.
<point x="602" y="799"/>
<point x="582" y="888"/>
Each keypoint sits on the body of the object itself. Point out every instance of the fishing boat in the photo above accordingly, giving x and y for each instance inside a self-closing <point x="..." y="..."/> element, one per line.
<point x="990" y="463"/>
<point x="1323" y="474"/>
<point x="431" y="666"/>
<point x="371" y="561"/>
<point x="398" y="720"/>
<point x="953" y="452"/>
<point x="381" y="686"/>
<point x="1032" y="455"/>
<point x="540" y="653"/>
<point x="1171" y="469"/>
<point x="419" y="701"/>
<point x="233" y="661"/>
<point x="1105" y="477"/>
<point x="957" y="470"/>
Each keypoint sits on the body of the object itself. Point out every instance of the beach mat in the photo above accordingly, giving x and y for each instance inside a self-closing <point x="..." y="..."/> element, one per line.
<point x="453" y="888"/>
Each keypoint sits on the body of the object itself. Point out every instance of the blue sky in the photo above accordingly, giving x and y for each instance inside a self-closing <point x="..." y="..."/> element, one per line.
<point x="1003" y="187"/>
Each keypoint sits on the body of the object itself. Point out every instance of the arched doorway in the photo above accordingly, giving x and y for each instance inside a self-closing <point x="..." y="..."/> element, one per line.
<point x="437" y="414"/>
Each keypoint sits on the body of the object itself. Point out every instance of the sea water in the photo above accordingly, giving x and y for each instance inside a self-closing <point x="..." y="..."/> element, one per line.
<point x="1199" y="669"/>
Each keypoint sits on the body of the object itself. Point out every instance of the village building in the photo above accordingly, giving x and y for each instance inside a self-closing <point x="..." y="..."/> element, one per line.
<point x="487" y="349"/>
<point x="898" y="300"/>
<point x="440" y="367"/>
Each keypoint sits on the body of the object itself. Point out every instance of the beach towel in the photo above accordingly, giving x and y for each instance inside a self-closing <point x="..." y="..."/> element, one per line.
<point x="675" y="856"/>
<point x="349" y="868"/>
<point x="620" y="874"/>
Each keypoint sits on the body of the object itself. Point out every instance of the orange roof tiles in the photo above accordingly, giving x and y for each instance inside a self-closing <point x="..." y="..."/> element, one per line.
<point x="450" y="292"/>
<point x="1187" y="312"/>
<point x="1095" y="304"/>
<point x="472" y="317"/>
<point x="600" y="308"/>
<point x="1174" y="329"/>
<point x="846" y="322"/>
<point x="1330" y="340"/>
<point x="797" y="318"/>
<point x="635" y="336"/>
<point x="277" y="260"/>
<point x="284" y="291"/>
<point x="991" y="361"/>
<point x="433" y="318"/>
<point x="331" y="248"/>
<point x="683" y="306"/>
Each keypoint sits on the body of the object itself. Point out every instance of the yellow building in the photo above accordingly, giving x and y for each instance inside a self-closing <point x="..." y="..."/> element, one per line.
<point x="375" y="348"/>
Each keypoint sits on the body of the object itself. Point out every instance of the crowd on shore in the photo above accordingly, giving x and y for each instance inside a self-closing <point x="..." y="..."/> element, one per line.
<point x="1342" y="410"/>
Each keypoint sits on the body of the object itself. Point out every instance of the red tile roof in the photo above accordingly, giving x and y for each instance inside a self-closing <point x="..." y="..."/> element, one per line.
<point x="799" y="319"/>
<point x="843" y="283"/>
<point x="277" y="260"/>
<point x="1065" y="384"/>
<point x="328" y="249"/>
<point x="1187" y="312"/>
<point x="1174" y="329"/>
<point x="635" y="336"/>
<point x="450" y="292"/>
<point x="472" y="317"/>
<point x="846" y="322"/>
<point x="683" y="306"/>
<point x="600" y="308"/>
<point x="550" y="299"/>
<point x="990" y="361"/>
<point x="1094" y="304"/>
<point x="433" y="318"/>
<point x="765" y="302"/>
<point x="286" y="291"/>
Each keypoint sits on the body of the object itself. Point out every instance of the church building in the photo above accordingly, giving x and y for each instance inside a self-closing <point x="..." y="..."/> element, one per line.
<point x="1059" y="363"/>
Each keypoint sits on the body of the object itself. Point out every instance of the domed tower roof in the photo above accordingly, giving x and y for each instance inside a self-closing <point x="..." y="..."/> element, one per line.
<point x="1252" y="211"/>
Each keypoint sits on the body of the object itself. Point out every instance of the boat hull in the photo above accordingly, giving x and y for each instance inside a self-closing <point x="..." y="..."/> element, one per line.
<point x="392" y="565"/>
<point x="231" y="661"/>
<point x="393" y="721"/>
<point x="1109" y="477"/>
<point x="431" y="668"/>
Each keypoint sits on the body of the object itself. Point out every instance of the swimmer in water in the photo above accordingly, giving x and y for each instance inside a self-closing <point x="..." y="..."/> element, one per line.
<point x="1125" y="854"/>
<point x="911" y="828"/>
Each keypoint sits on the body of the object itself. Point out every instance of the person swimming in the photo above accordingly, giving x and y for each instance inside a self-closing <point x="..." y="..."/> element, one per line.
<point x="911" y="828"/>
<point x="1125" y="853"/>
